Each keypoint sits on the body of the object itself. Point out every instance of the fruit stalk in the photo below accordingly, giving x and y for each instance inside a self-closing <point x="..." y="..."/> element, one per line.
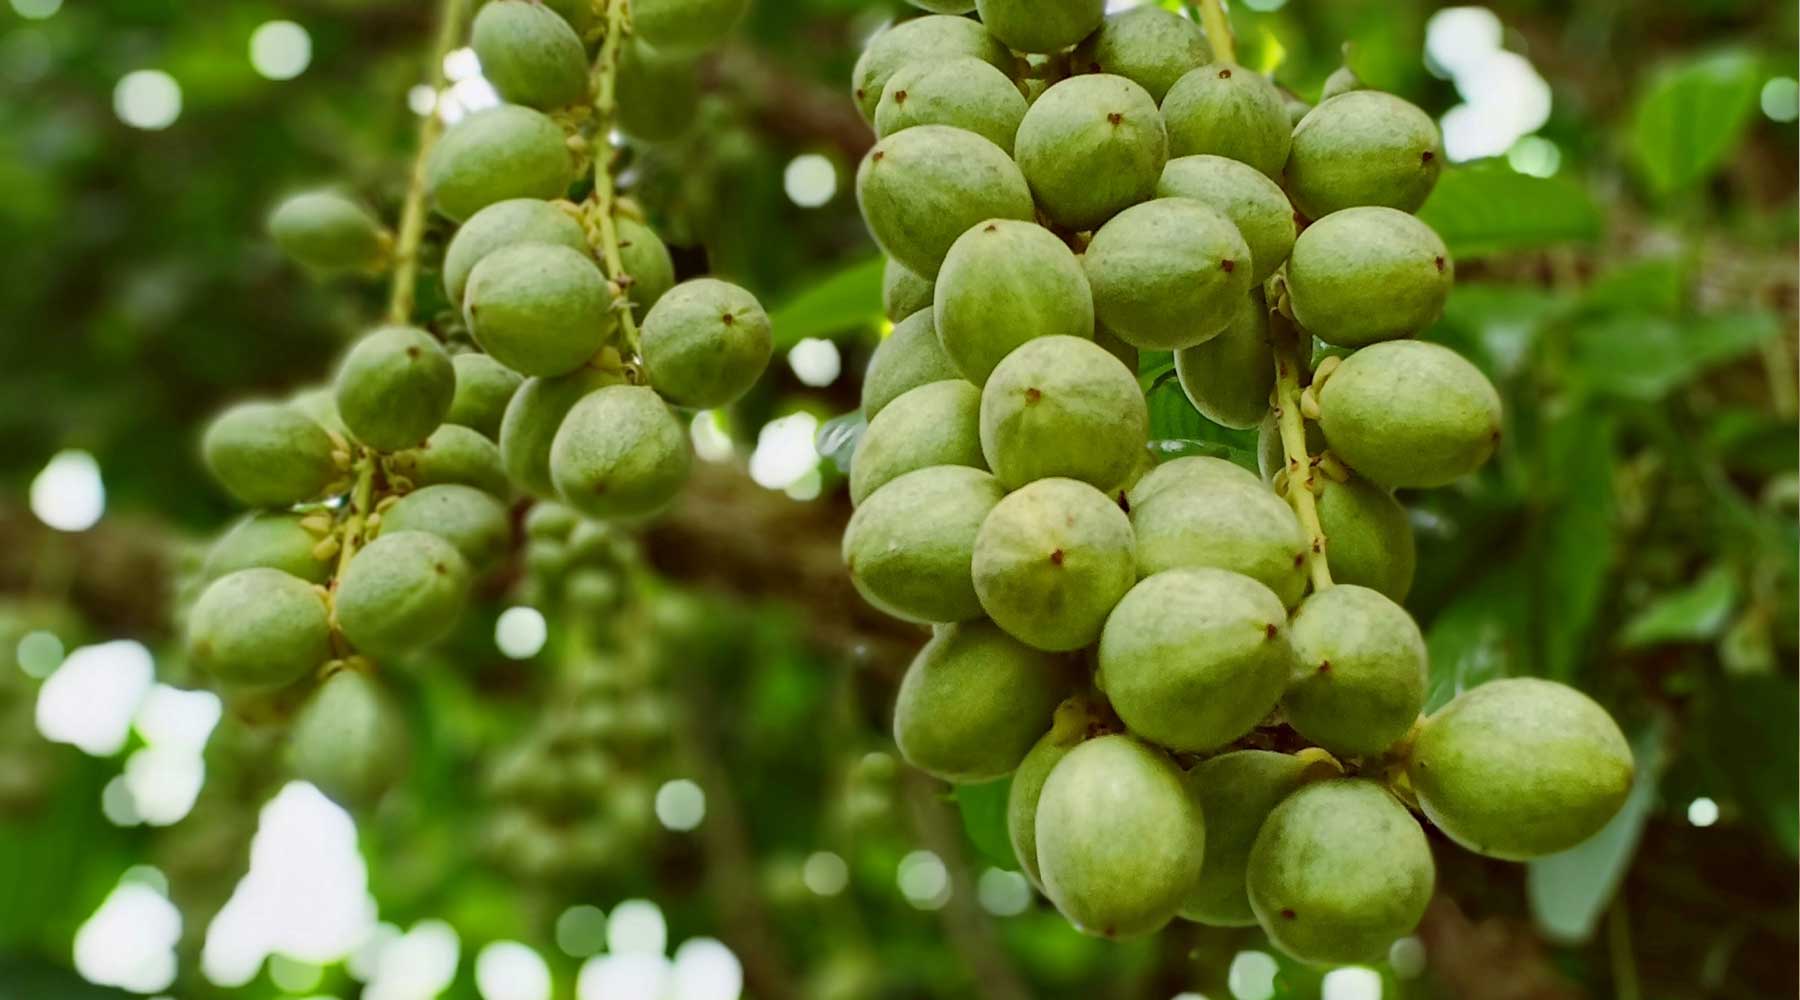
<point x="1218" y="30"/>
<point x="412" y="218"/>
<point x="606" y="106"/>
<point x="1300" y="471"/>
<point x="362" y="501"/>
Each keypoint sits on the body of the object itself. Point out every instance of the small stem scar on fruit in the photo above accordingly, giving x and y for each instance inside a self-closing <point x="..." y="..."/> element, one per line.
<point x="1301" y="473"/>
<point x="1218" y="30"/>
<point x="605" y="197"/>
<point x="412" y="217"/>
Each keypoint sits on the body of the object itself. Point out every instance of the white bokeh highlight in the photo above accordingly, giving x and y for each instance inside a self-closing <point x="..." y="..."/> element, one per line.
<point x="148" y="99"/>
<point x="924" y="880"/>
<point x="1351" y="983"/>
<point x="825" y="873"/>
<point x="1252" y="975"/>
<point x="509" y="970"/>
<point x="705" y="969"/>
<point x="1504" y="98"/>
<point x="810" y="180"/>
<point x="785" y="453"/>
<point x="130" y="940"/>
<point x="417" y="966"/>
<point x="90" y="700"/>
<point x="680" y="805"/>
<point x="68" y="494"/>
<point x="816" y="362"/>
<point x="637" y="926"/>
<point x="520" y="633"/>
<point x="280" y="50"/>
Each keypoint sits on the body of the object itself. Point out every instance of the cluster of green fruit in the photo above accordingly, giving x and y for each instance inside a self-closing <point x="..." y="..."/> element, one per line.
<point x="1125" y="186"/>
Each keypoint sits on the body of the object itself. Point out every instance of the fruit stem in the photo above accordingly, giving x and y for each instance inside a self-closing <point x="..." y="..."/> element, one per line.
<point x="362" y="501"/>
<point x="403" y="294"/>
<point x="1301" y="474"/>
<point x="606" y="195"/>
<point x="1217" y="26"/>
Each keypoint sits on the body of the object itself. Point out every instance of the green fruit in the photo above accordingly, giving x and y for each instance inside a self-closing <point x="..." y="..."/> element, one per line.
<point x="473" y="521"/>
<point x="1194" y="658"/>
<point x="974" y="701"/>
<point x="591" y="592"/>
<point x="646" y="260"/>
<point x="1254" y="204"/>
<point x="620" y="453"/>
<point x="706" y="343"/>
<point x="532" y="420"/>
<point x="1147" y="45"/>
<point x="935" y="424"/>
<point x="1363" y="148"/>
<point x="1368" y="537"/>
<point x="530" y="54"/>
<point x="1168" y="274"/>
<point x="320" y="403"/>
<point x="922" y="39"/>
<point x="922" y="188"/>
<point x="395" y="387"/>
<point x="325" y="230"/>
<point x="402" y="591"/>
<point x="903" y="293"/>
<point x="1362" y="671"/>
<point x="1521" y="768"/>
<point x="1062" y="406"/>
<point x="496" y="154"/>
<point x="1023" y="795"/>
<point x="579" y="13"/>
<point x="454" y="454"/>
<point x="965" y="93"/>
<point x="1368" y="274"/>
<point x="907" y="358"/>
<point x="1296" y="109"/>
<point x="1091" y="147"/>
<point x="269" y="455"/>
<point x="259" y="628"/>
<point x="917" y="567"/>
<point x="1236" y="792"/>
<point x="1050" y="562"/>
<point x="659" y="92"/>
<point x="1041" y="25"/>
<point x="1228" y="111"/>
<point x="1004" y="283"/>
<point x="1270" y="456"/>
<point x="686" y="25"/>
<point x="1198" y="511"/>
<point x="1119" y="841"/>
<point x="1339" y="871"/>
<point x="1410" y="413"/>
<point x="1229" y="378"/>
<point x="483" y="388"/>
<point x="504" y="224"/>
<point x="349" y="740"/>
<point x="549" y="519"/>
<point x="1341" y="81"/>
<point x="539" y="309"/>
<point x="271" y="541"/>
<point x="944" y="6"/>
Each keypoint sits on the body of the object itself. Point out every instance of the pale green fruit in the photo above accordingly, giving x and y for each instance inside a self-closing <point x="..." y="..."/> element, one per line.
<point x="1041" y="25"/>
<point x="1410" y="413"/>
<point x="349" y="739"/>
<point x="532" y="420"/>
<point x="1296" y="108"/>
<point x="454" y="454"/>
<point x="540" y="309"/>
<point x="1194" y="658"/>
<point x="1062" y="406"/>
<point x="1227" y="110"/>
<point x="1254" y="204"/>
<point x="922" y="188"/>
<point x="1168" y="274"/>
<point x="402" y="591"/>
<point x="530" y="54"/>
<point x="579" y="13"/>
<point x="1236" y="791"/>
<point x="1023" y="794"/>
<point x="706" y="343"/>
<point x="646" y="261"/>
<point x="326" y="230"/>
<point x="271" y="541"/>
<point x="620" y="453"/>
<point x="1147" y="45"/>
<point x="1003" y="284"/>
<point x="259" y="628"/>
<point x="1051" y="560"/>
<point x="1341" y="81"/>
<point x="473" y="521"/>
<point x="395" y="387"/>
<point x="269" y="455"/>
<point x="686" y="25"/>
<point x="503" y="152"/>
<point x="1339" y="872"/>
<point x="903" y="293"/>
<point x="1362" y="671"/>
<point x="922" y="39"/>
<point x="944" y="6"/>
<point x="974" y="701"/>
<point x="320" y="403"/>
<point x="935" y="424"/>
<point x="1368" y="537"/>
<point x="1521" y="768"/>
<point x="659" y="92"/>
<point x="549" y="519"/>
<point x="967" y="93"/>
<point x="483" y="388"/>
<point x="918" y="567"/>
<point x="591" y="592"/>
<point x="1363" y="148"/>
<point x="1119" y="841"/>
<point x="1091" y="147"/>
<point x="1368" y="274"/>
<point x="1229" y="378"/>
<point x="907" y="358"/>
<point x="504" y="224"/>
<point x="1199" y="511"/>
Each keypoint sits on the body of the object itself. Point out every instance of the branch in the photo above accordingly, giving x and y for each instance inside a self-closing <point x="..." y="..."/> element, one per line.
<point x="1301" y="473"/>
<point x="1217" y="26"/>
<point x="606" y="107"/>
<point x="412" y="217"/>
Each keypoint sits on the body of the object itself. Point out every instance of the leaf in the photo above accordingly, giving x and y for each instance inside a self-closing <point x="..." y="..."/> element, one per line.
<point x="1645" y="357"/>
<point x="1752" y="739"/>
<point x="983" y="810"/>
<point x="1691" y="118"/>
<point x="1169" y="449"/>
<point x="1489" y="208"/>
<point x="1478" y="638"/>
<point x="1577" y="546"/>
<point x="1496" y="326"/>
<point x="1695" y="614"/>
<point x="1652" y="285"/>
<point x="838" y="437"/>
<point x="848" y="300"/>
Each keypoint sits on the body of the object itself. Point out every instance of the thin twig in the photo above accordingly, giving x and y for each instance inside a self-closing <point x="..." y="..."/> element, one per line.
<point x="606" y="107"/>
<point x="1300" y="469"/>
<point x="1218" y="30"/>
<point x="402" y="295"/>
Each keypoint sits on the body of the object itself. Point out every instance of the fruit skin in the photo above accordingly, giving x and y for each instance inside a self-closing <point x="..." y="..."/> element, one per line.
<point x="454" y="454"/>
<point x="1194" y="658"/>
<point x="401" y="591"/>
<point x="1167" y="274"/>
<point x="659" y="92"/>
<point x="907" y="358"/>
<point x="966" y="93"/>
<point x="1254" y="204"/>
<point x="1520" y="768"/>
<point x="1062" y="406"/>
<point x="483" y="388"/>
<point x="270" y="540"/>
<point x="1236" y="791"/>
<point x="530" y="54"/>
<point x="1119" y="841"/>
<point x="269" y="455"/>
<point x="1051" y="561"/>
<point x="503" y="224"/>
<point x="914" y="567"/>
<point x="533" y="418"/>
<point x="922" y="188"/>
<point x="1368" y="536"/>
<point x="539" y="309"/>
<point x="922" y="39"/>
<point x="395" y="387"/>
<point x="973" y="702"/>
<point x="1410" y="413"/>
<point x="646" y="259"/>
<point x="944" y="6"/>
<point x="706" y="343"/>
<point x="1090" y="147"/>
<point x="349" y="739"/>
<point x="326" y="230"/>
<point x="1041" y="25"/>
<point x="1199" y="511"/>
<point x="686" y="25"/>
<point x="620" y="453"/>
<point x="473" y="521"/>
<point x="1339" y="871"/>
<point x="1227" y="110"/>
<point x="1229" y="378"/>
<point x="259" y="628"/>
<point x="1363" y="148"/>
<point x="1362" y="669"/>
<point x="903" y="293"/>
<point x="1368" y="274"/>
<point x="935" y="424"/>
<point x="503" y="152"/>
<point x="1004" y="283"/>
<point x="1147" y="45"/>
<point x="1341" y="81"/>
<point x="1024" y="794"/>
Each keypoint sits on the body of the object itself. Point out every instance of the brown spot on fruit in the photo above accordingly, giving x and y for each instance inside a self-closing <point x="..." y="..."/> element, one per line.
<point x="1094" y="67"/>
<point x="440" y="568"/>
<point x="1426" y="157"/>
<point x="1225" y="74"/>
<point x="728" y="319"/>
<point x="877" y="155"/>
<point x="1116" y="118"/>
<point x="1228" y="265"/>
<point x="1288" y="914"/>
<point x="991" y="227"/>
<point x="899" y="97"/>
<point x="412" y="352"/>
<point x="1033" y="395"/>
<point x="1299" y="558"/>
<point x="1271" y="630"/>
<point x="1440" y="264"/>
<point x="1056" y="558"/>
<point x="1324" y="666"/>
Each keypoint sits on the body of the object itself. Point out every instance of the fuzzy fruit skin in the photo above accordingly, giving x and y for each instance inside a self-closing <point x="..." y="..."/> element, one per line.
<point x="706" y="343"/>
<point x="259" y="628"/>
<point x="395" y="387"/>
<point x="646" y="259"/>
<point x="532" y="420"/>
<point x="1236" y="791"/>
<point x="918" y="568"/>
<point x="269" y="455"/>
<point x="1167" y="274"/>
<point x="922" y="39"/>
<point x="903" y="293"/>
<point x="966" y="93"/>
<point x="1004" y="283"/>
<point x="973" y="702"/>
<point x="579" y="13"/>
<point x="1023" y="796"/>
<point x="1410" y="413"/>
<point x="620" y="453"/>
<point x="1194" y="658"/>
<point x="1227" y="110"/>
<point x="1119" y="841"/>
<point x="1229" y="378"/>
<point x="1520" y="768"/>
<point x="539" y="309"/>
<point x="349" y="739"/>
<point x="1370" y="537"/>
<point x="1362" y="671"/>
<point x="1091" y="147"/>
<point x="483" y="388"/>
<point x="503" y="224"/>
<point x="530" y="54"/>
<point x="1062" y="406"/>
<point x="935" y="424"/>
<point x="269" y="540"/>
<point x="1199" y="511"/>
<point x="944" y="6"/>
<point x="503" y="152"/>
<point x="325" y="230"/>
<point x="1051" y="561"/>
<point x="1364" y="147"/>
<point x="402" y="591"/>
<point x="906" y="359"/>
<point x="455" y="454"/>
<point x="1339" y="871"/>
<point x="473" y="521"/>
<point x="686" y="26"/>
<point x="659" y="92"/>
<point x="1254" y="204"/>
<point x="1147" y="45"/>
<point x="1368" y="274"/>
<point x="922" y="188"/>
<point x="1041" y="25"/>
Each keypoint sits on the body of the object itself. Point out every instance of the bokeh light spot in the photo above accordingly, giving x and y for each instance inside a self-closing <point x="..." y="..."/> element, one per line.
<point x="680" y="805"/>
<point x="810" y="180"/>
<point x="521" y="632"/>
<point x="148" y="99"/>
<point x="68" y="494"/>
<point x="280" y="50"/>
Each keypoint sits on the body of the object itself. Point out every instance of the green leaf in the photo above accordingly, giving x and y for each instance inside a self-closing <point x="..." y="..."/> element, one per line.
<point x="1691" y="118"/>
<point x="1751" y="737"/>
<point x="983" y="809"/>
<point x="1652" y="285"/>
<point x="1577" y="547"/>
<point x="1478" y="638"/>
<point x="1697" y="613"/>
<point x="1495" y="326"/>
<point x="1489" y="208"/>
<point x="838" y="437"/>
<point x="846" y="301"/>
<point x="1645" y="357"/>
<point x="1168" y="449"/>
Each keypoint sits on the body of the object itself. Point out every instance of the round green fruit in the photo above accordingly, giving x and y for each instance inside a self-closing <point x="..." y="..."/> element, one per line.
<point x="918" y="567"/>
<point x="966" y="93"/>
<point x="706" y="343"/>
<point x="325" y="230"/>
<point x="1026" y="790"/>
<point x="686" y="25"/>
<point x="530" y="54"/>
<point x="533" y="418"/>
<point x="646" y="261"/>
<point x="1062" y="406"/>
<point x="922" y="39"/>
<point x="1236" y="792"/>
<point x="349" y="740"/>
<point x="1362" y="671"/>
<point x="402" y="591"/>
<point x="1005" y="283"/>
<point x="579" y="13"/>
<point x="1368" y="274"/>
<point x="1341" y="81"/>
<point x="504" y="224"/>
<point x="259" y="628"/>
<point x="658" y="92"/>
<point x="1147" y="45"/>
<point x="1229" y="378"/>
<point x="268" y="540"/>
<point x="1254" y="204"/>
<point x="974" y="701"/>
<point x="1091" y="147"/>
<point x="1227" y="110"/>
<point x="620" y="453"/>
<point x="903" y="293"/>
<point x="1168" y="274"/>
<point x="1410" y="413"/>
<point x="907" y="358"/>
<point x="1041" y="25"/>
<point x="473" y="521"/>
<point x="539" y="309"/>
<point x="549" y="519"/>
<point x="493" y="155"/>
<point x="922" y="188"/>
<point x="395" y="387"/>
<point x="935" y="424"/>
<point x="1198" y="511"/>
<point x="1363" y="148"/>
<point x="1368" y="537"/>
<point x="1050" y="562"/>
<point x="483" y="388"/>
<point x="454" y="454"/>
<point x="269" y="455"/>
<point x="944" y="6"/>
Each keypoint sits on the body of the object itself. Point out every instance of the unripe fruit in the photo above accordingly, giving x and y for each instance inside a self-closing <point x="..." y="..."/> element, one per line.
<point x="922" y="188"/>
<point x="1368" y="537"/>
<point x="325" y="230"/>
<point x="1199" y="511"/>
<point x="966" y="93"/>
<point x="659" y="92"/>
<point x="1091" y="147"/>
<point x="320" y="403"/>
<point x="1341" y="81"/>
<point x="1236" y="792"/>
<point x="935" y="424"/>
<point x="1062" y="406"/>
<point x="269" y="455"/>
<point x="1003" y="284"/>
<point x="944" y="6"/>
<point x="686" y="25"/>
<point x="349" y="740"/>
<point x="915" y="567"/>
<point x="1339" y="871"/>
<point x="646" y="259"/>
<point x="473" y="521"/>
<point x="549" y="519"/>
<point x="1147" y="45"/>
<point x="906" y="359"/>
<point x="706" y="343"/>
<point x="1410" y="413"/>
<point x="1362" y="671"/>
<point x="1521" y="768"/>
<point x="402" y="591"/>
<point x="483" y="388"/>
<point x="504" y="224"/>
<point x="1229" y="111"/>
<point x="268" y="540"/>
<point x="1168" y="274"/>
<point x="1368" y="274"/>
<point x="1254" y="204"/>
<point x="533" y="418"/>
<point x="539" y="309"/>
<point x="1041" y="25"/>
<point x="1363" y="148"/>
<point x="922" y="39"/>
<point x="395" y="387"/>
<point x="496" y="154"/>
<point x="259" y="628"/>
<point x="454" y="454"/>
<point x="1023" y="795"/>
<point x="903" y="293"/>
<point x="1271" y="458"/>
<point x="620" y="453"/>
<point x="1050" y="562"/>
<point x="974" y="701"/>
<point x="1194" y="658"/>
<point x="1119" y="841"/>
<point x="1229" y="378"/>
<point x="530" y="54"/>
<point x="579" y="13"/>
